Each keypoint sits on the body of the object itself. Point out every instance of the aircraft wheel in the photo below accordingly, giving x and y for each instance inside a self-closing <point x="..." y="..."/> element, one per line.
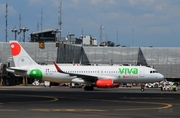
<point x="142" y="89"/>
<point x="91" y="88"/>
<point x="86" y="88"/>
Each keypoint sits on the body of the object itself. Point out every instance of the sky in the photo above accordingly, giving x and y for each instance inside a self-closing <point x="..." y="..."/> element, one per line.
<point x="138" y="23"/>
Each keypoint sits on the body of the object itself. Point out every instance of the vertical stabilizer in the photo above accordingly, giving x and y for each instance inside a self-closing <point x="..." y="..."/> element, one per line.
<point x="20" y="56"/>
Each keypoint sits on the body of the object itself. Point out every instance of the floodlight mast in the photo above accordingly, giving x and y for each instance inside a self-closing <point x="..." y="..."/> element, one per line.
<point x="69" y="35"/>
<point x="15" y="32"/>
<point x="24" y="29"/>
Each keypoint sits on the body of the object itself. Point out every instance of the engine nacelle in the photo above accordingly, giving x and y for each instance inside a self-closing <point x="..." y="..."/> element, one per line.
<point x="106" y="83"/>
<point x="77" y="80"/>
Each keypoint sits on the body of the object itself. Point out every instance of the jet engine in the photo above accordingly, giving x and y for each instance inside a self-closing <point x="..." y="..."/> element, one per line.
<point x="106" y="83"/>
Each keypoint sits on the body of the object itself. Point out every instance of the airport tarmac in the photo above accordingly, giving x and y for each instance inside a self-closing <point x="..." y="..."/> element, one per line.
<point x="63" y="102"/>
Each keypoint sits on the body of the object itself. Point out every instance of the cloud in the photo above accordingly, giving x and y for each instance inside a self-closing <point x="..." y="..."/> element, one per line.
<point x="102" y="2"/>
<point x="96" y="2"/>
<point x="35" y="1"/>
<point x="39" y="2"/>
<point x="140" y="2"/>
<point x="159" y="7"/>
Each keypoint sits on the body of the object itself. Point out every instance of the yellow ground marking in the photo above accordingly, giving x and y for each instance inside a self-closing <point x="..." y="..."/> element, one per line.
<point x="69" y="110"/>
<point x="51" y="97"/>
<point x="164" y="105"/>
<point x="148" y="98"/>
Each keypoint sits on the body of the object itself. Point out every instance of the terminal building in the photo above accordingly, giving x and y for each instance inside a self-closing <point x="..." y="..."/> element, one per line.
<point x="85" y="50"/>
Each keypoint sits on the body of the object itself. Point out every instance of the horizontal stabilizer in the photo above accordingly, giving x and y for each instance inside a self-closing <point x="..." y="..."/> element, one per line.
<point x="16" y="69"/>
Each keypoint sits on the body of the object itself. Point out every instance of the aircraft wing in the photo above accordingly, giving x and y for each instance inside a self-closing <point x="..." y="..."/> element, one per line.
<point x="91" y="78"/>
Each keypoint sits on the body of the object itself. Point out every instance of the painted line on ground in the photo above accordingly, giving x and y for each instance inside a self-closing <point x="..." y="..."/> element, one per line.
<point x="163" y="105"/>
<point x="147" y="98"/>
<point x="39" y="96"/>
<point x="69" y="110"/>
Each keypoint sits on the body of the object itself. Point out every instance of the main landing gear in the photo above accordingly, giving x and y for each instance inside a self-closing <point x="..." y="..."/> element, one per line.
<point x="89" y="88"/>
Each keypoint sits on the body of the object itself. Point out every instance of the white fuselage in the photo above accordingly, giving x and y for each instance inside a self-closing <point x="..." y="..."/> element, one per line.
<point x="120" y="74"/>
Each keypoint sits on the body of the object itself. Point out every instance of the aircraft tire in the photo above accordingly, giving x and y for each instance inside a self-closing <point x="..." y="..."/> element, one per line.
<point x="91" y="88"/>
<point x="88" y="88"/>
<point x="142" y="89"/>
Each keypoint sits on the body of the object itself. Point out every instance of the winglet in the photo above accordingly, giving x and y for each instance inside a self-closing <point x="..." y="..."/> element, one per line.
<point x="57" y="68"/>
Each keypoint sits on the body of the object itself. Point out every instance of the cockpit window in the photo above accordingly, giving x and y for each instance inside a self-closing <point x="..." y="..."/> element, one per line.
<point x="153" y="71"/>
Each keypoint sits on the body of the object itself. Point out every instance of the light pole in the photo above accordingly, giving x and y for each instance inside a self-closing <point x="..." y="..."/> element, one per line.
<point x="24" y="29"/>
<point x="71" y="34"/>
<point x="15" y="32"/>
<point x="82" y="49"/>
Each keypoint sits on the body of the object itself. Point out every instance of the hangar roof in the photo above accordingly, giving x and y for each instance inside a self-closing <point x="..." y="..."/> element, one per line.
<point x="46" y="30"/>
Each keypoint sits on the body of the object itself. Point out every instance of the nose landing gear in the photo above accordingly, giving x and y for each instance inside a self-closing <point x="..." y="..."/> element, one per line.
<point x="142" y="87"/>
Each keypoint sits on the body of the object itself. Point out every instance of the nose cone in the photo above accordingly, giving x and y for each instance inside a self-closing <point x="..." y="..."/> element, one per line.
<point x="160" y="77"/>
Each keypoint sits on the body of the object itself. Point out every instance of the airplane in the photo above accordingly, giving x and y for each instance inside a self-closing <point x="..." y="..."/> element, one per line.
<point x="111" y="76"/>
<point x="92" y="76"/>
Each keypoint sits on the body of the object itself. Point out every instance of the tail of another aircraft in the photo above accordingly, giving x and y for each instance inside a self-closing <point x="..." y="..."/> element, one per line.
<point x="20" y="56"/>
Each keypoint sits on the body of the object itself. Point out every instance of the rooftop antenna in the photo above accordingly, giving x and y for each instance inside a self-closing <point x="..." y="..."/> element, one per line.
<point x="41" y="23"/>
<point x="19" y="21"/>
<point x="117" y="38"/>
<point x="37" y="26"/>
<point x="101" y="32"/>
<point x="59" y="20"/>
<point x="132" y="35"/>
<point x="6" y="16"/>
<point x="41" y="19"/>
<point x="81" y="59"/>
<point x="19" y="26"/>
<point x="106" y="37"/>
<point x="82" y="31"/>
<point x="82" y="36"/>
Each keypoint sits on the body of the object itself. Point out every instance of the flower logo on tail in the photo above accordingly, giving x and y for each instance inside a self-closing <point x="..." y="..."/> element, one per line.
<point x="15" y="48"/>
